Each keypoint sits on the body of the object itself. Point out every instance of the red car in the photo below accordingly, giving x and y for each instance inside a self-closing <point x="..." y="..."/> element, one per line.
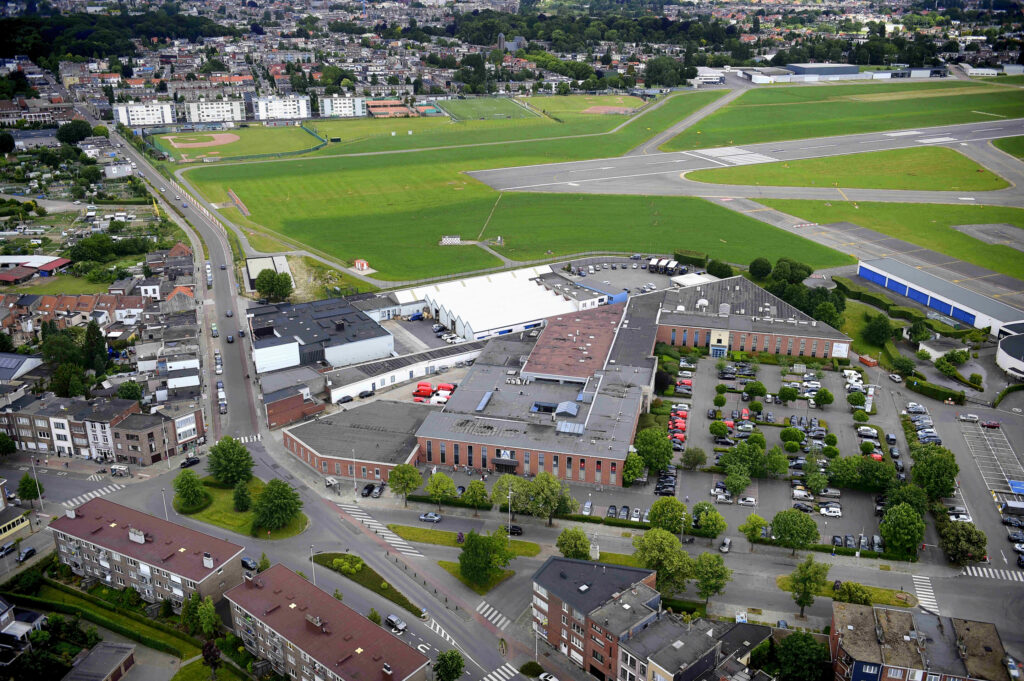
<point x="745" y="414"/>
<point x="680" y="414"/>
<point x="681" y="425"/>
<point x="990" y="424"/>
<point x="679" y="436"/>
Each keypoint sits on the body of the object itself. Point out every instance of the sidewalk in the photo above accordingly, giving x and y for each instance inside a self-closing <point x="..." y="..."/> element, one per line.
<point x="80" y="466"/>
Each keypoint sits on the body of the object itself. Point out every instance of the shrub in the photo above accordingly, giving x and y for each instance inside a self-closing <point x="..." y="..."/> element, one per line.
<point x="924" y="355"/>
<point x="936" y="392"/>
<point x="348" y="564"/>
<point x="186" y="509"/>
<point x="531" y="669"/>
<point x="1006" y="391"/>
<point x="487" y="506"/>
<point x="975" y="379"/>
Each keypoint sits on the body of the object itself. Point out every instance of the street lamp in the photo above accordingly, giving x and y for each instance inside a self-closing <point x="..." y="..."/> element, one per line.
<point x="312" y="565"/>
<point x="163" y="493"/>
<point x="355" y="493"/>
<point x="509" y="533"/>
<point x="42" y="507"/>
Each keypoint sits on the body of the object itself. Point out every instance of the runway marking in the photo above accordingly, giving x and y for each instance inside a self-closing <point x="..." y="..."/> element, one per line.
<point x="572" y="184"/>
<point x="842" y="194"/>
<point x="936" y="140"/>
<point x="820" y="146"/>
<point x="902" y="134"/>
<point x="659" y="163"/>
<point x="587" y="170"/>
<point x="966" y="198"/>
<point x="986" y="113"/>
<point x="703" y="158"/>
<point x="986" y="129"/>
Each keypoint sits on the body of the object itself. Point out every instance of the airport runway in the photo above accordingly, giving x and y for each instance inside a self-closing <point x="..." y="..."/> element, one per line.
<point x="664" y="173"/>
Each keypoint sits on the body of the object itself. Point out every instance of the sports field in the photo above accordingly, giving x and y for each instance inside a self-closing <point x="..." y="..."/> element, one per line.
<point x="1013" y="146"/>
<point x="784" y="113"/>
<point x="925" y="168"/>
<point x="485" y="108"/>
<point x="393" y="208"/>
<point x="255" y="139"/>
<point x="928" y="225"/>
<point x="555" y="105"/>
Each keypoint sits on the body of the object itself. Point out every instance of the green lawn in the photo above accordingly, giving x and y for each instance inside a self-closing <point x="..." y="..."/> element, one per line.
<point x="854" y="323"/>
<point x="443" y="538"/>
<point x="51" y="594"/>
<point x="452" y="568"/>
<point x="222" y="513"/>
<point x="371" y="579"/>
<point x="784" y="113"/>
<point x="197" y="671"/>
<point x="254" y="139"/>
<point x="393" y="209"/>
<point x="879" y="595"/>
<point x="485" y="108"/>
<point x="1011" y="145"/>
<point x="556" y="105"/>
<point x="926" y="168"/>
<point x="627" y="559"/>
<point x="1009" y="80"/>
<point x="63" y="283"/>
<point x="927" y="225"/>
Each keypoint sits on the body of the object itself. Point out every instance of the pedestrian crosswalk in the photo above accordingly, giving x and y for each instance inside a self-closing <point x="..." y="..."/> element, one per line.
<point x="436" y="628"/>
<point x="246" y="439"/>
<point x="503" y="673"/>
<point x="925" y="595"/>
<point x="492" y="615"/>
<point x="82" y="498"/>
<point x="97" y="477"/>
<point x="993" y="573"/>
<point x="399" y="544"/>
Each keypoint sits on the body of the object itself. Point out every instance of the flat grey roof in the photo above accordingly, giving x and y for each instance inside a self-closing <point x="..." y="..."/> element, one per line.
<point x="104" y="658"/>
<point x="322" y="322"/>
<point x="359" y="372"/>
<point x="564" y="577"/>
<point x="932" y="284"/>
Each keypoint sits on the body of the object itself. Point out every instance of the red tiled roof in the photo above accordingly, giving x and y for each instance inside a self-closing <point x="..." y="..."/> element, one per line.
<point x="345" y="642"/>
<point x="168" y="546"/>
<point x="17" y="273"/>
<point x="59" y="262"/>
<point x="180" y="289"/>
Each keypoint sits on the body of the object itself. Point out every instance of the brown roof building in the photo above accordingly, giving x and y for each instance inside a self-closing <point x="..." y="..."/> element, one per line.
<point x="305" y="633"/>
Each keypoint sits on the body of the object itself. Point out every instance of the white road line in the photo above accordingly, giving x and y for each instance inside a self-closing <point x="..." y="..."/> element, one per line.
<point x="502" y="673"/>
<point x="706" y="158"/>
<point x="587" y="170"/>
<point x="936" y="140"/>
<point x="902" y="134"/>
<point x="824" y="146"/>
<point x="925" y="594"/>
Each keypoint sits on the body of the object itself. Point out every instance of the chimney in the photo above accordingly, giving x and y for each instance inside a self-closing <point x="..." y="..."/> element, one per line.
<point x="386" y="669"/>
<point x="136" y="535"/>
<point x="207" y="560"/>
<point x="70" y="513"/>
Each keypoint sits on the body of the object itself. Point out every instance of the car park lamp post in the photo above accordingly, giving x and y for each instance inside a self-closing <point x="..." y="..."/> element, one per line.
<point x="355" y="492"/>
<point x="509" y="533"/>
<point x="312" y="565"/>
<point x="32" y="461"/>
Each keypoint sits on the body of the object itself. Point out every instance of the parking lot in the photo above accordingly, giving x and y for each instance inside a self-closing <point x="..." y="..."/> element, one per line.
<point x="624" y="276"/>
<point x="994" y="456"/>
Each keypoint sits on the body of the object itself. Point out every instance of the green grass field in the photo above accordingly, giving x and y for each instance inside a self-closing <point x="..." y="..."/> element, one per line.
<point x="222" y="513"/>
<point x="785" y="113"/>
<point x="393" y="209"/>
<point x="927" y="168"/>
<point x="855" y="320"/>
<point x="557" y="106"/>
<point x="254" y="139"/>
<point x="63" y="283"/>
<point x="1011" y="145"/>
<point x="446" y="538"/>
<point x="1009" y="80"/>
<point x="485" y="108"/>
<point x="927" y="225"/>
<point x="452" y="568"/>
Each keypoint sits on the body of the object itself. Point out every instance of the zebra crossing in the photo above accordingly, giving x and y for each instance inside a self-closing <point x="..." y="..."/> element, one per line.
<point x="436" y="628"/>
<point x="503" y="673"/>
<point x="82" y="498"/>
<point x="492" y="615"/>
<point x="399" y="544"/>
<point x="246" y="439"/>
<point x="925" y="594"/>
<point x="97" y="477"/>
<point x="993" y="573"/>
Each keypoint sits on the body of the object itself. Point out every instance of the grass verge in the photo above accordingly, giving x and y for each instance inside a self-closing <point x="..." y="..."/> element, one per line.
<point x="444" y="538"/>
<point x="197" y="671"/>
<point x="371" y="579"/>
<point x="855" y="322"/>
<point x="1011" y="145"/>
<point x="63" y="283"/>
<point x="452" y="568"/>
<point x="618" y="559"/>
<point x="922" y="168"/>
<point x="221" y="512"/>
<point x="879" y="595"/>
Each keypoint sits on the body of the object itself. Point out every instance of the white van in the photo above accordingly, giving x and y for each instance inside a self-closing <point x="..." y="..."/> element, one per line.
<point x="969" y="418"/>
<point x="439" y="399"/>
<point x="830" y="492"/>
<point x="802" y="495"/>
<point x="590" y="268"/>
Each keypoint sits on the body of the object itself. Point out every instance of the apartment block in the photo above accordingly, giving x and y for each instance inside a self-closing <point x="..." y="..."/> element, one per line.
<point x="277" y="108"/>
<point x="122" y="547"/>
<point x="214" y="111"/>
<point x="342" y="107"/>
<point x="144" y="439"/>
<point x="308" y="635"/>
<point x="136" y="114"/>
<point x="51" y="425"/>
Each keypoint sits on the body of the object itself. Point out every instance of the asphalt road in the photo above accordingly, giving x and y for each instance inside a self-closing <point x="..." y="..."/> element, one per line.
<point x="663" y="173"/>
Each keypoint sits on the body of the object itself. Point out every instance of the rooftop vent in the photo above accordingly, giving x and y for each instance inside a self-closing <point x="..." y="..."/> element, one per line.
<point x="207" y="560"/>
<point x="583" y="588"/>
<point x="135" y="534"/>
<point x="70" y="513"/>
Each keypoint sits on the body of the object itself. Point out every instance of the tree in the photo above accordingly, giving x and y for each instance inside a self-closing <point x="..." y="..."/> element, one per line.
<point x="760" y="268"/>
<point x="654" y="449"/>
<point x="209" y="621"/>
<point x="265" y="282"/>
<point x="755" y="389"/>
<point x="68" y="381"/>
<point x="475" y="495"/>
<point x="831" y="440"/>
<point x="756" y="407"/>
<point x="668" y="513"/>
<point x="573" y="543"/>
<point x="211" y="657"/>
<point x="860" y="416"/>
<point x="751" y="528"/>
<point x="632" y="468"/>
<point x="551" y="496"/>
<point x="404" y="479"/>
<point x="719" y="401"/>
<point x="129" y="390"/>
<point x="867" y="447"/>
<point x="902" y="493"/>
<point x="717" y="268"/>
<point x="878" y="330"/>
<point x="902" y="528"/>
<point x="661" y="551"/>
<point x="7" y="445"/>
<point x="521" y="492"/>
<point x="791" y="435"/>
<point x="264" y="563"/>
<point x="6" y="142"/>
<point x="824" y="397"/>
<point x="707" y="521"/>
<point x="693" y="458"/>
<point x="815" y="482"/>
<point x="282" y="286"/>
<point x="801" y="658"/>
<point x="788" y="394"/>
<point x="276" y="506"/>
<point x="74" y="132"/>
<point x="935" y="472"/>
<point x="710" y="574"/>
<point x="807" y="580"/>
<point x="852" y="592"/>
<point x="483" y="556"/>
<point x="100" y="131"/>
<point x="794" y="529"/>
<point x="440" y="488"/>
<point x="904" y="366"/>
<point x="919" y="331"/>
<point x="776" y="461"/>
<point x="737" y="479"/>
<point x="188" y="489"/>
<point x="29" y="489"/>
<point x="241" y="498"/>
<point x="856" y="399"/>
<point x="230" y="462"/>
<point x="190" y="612"/>
<point x="963" y="543"/>
<point x="718" y="429"/>
<point x="449" y="666"/>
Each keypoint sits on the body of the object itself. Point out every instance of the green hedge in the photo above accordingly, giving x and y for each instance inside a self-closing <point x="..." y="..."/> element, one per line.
<point x="135" y="201"/>
<point x="857" y="292"/>
<point x="1006" y="391"/>
<point x="458" y="503"/>
<point x="908" y="313"/>
<point x="678" y="606"/>
<point x="691" y="257"/>
<point x="184" y="509"/>
<point x="936" y="392"/>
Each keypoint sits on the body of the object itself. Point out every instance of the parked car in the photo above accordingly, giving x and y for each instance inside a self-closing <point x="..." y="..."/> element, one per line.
<point x="26" y="553"/>
<point x="367" y="489"/>
<point x="396" y="624"/>
<point x="802" y="507"/>
<point x="430" y="517"/>
<point x="895" y="378"/>
<point x="588" y="508"/>
<point x="250" y="564"/>
<point x="850" y="542"/>
<point x="831" y="512"/>
<point x="377" y="491"/>
<point x="190" y="461"/>
<point x="726" y="545"/>
<point x="366" y="393"/>
<point x="723" y="499"/>
<point x="747" y="501"/>
<point x="990" y="424"/>
<point x="613" y="512"/>
<point x="624" y="513"/>
<point x="515" y="530"/>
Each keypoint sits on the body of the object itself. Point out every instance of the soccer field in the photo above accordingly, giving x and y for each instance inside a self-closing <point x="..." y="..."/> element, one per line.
<point x="784" y="113"/>
<point x="485" y="108"/>
<point x="255" y="139"/>
<point x="392" y="209"/>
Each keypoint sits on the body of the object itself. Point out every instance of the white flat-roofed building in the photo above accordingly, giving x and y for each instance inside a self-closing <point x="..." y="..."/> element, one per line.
<point x="135" y="114"/>
<point x="276" y="108"/>
<point x="215" y="111"/>
<point x="342" y="107"/>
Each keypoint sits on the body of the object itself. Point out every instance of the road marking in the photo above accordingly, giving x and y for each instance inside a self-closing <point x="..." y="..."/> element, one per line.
<point x="820" y="146"/>
<point x="966" y="198"/>
<point x="842" y="194"/>
<point x="587" y="170"/>
<point x="986" y="113"/>
<point x="902" y="134"/>
<point x="492" y="615"/>
<point x="925" y="594"/>
<point x="703" y="158"/>
<point x="82" y="498"/>
<point x="396" y="542"/>
<point x="986" y="129"/>
<point x="97" y="477"/>
<point x="502" y="673"/>
<point x="993" y="573"/>
<point x="436" y="628"/>
<point x="246" y="439"/>
<point x="936" y="140"/>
